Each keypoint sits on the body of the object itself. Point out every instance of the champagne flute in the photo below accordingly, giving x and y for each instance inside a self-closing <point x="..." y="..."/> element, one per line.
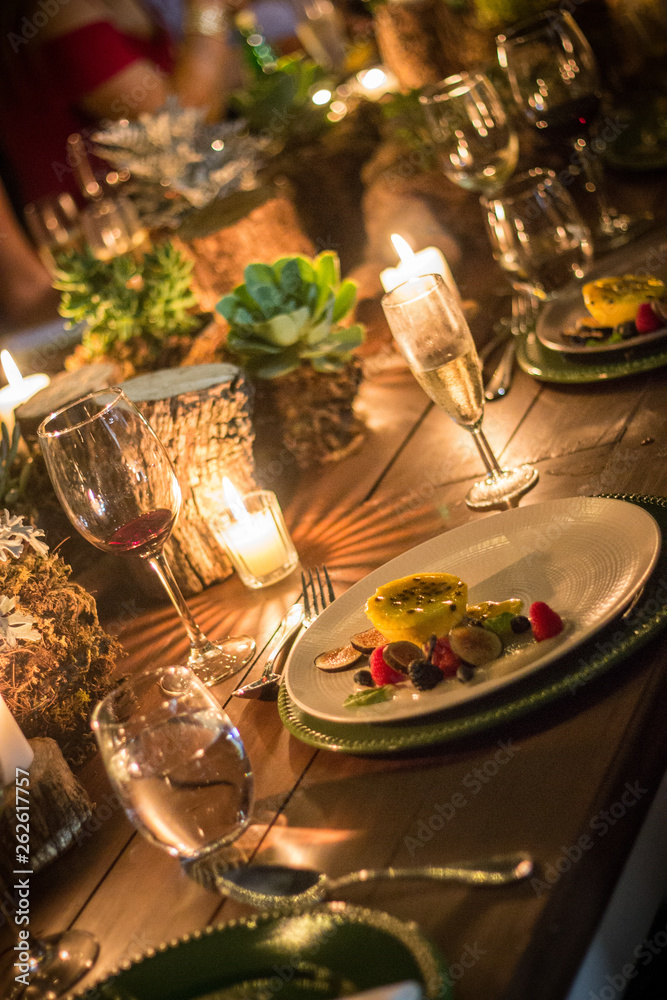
<point x="176" y="761"/>
<point x="538" y="235"/>
<point x="554" y="80"/>
<point x="432" y="334"/>
<point x="476" y="145"/>
<point x="118" y="487"/>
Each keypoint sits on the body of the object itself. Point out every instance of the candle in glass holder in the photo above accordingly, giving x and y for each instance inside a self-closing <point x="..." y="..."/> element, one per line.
<point x="416" y="265"/>
<point x="15" y="751"/>
<point x="18" y="391"/>
<point x="255" y="536"/>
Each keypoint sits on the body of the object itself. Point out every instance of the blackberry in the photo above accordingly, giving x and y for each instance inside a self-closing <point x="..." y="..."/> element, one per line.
<point x="364" y="678"/>
<point x="424" y="674"/>
<point x="519" y="624"/>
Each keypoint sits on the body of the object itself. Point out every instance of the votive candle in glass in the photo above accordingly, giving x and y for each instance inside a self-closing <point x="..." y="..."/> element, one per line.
<point x="256" y="538"/>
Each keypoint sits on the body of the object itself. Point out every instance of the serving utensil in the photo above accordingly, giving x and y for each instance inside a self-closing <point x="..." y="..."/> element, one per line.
<point x="282" y="887"/>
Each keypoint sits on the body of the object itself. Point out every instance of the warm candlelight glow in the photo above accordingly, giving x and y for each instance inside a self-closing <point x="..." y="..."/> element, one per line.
<point x="10" y="368"/>
<point x="18" y="390"/>
<point x="416" y="265"/>
<point x="15" y="751"/>
<point x="255" y="536"/>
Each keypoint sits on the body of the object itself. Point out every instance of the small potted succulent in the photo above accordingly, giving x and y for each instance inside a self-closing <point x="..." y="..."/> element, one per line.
<point x="138" y="310"/>
<point x="286" y="331"/>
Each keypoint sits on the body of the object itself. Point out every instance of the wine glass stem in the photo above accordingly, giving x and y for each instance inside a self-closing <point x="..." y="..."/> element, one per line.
<point x="484" y="449"/>
<point x="161" y="566"/>
<point x="595" y="180"/>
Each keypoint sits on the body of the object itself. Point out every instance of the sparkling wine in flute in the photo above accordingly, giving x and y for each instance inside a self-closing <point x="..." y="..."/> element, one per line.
<point x="432" y="334"/>
<point x="456" y="387"/>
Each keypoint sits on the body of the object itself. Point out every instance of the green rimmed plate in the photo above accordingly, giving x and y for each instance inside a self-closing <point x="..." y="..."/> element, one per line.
<point x="328" y="952"/>
<point x="607" y="648"/>
<point x="553" y="366"/>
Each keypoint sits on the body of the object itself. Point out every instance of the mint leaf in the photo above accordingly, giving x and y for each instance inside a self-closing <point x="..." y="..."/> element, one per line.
<point x="369" y="697"/>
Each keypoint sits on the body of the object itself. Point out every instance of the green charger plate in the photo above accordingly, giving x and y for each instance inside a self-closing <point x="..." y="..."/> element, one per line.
<point x="555" y="366"/>
<point x="565" y="676"/>
<point x="327" y="952"/>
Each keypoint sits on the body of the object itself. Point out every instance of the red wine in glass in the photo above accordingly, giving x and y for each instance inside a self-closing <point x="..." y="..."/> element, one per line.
<point x="567" y="121"/>
<point x="119" y="489"/>
<point x="143" y="535"/>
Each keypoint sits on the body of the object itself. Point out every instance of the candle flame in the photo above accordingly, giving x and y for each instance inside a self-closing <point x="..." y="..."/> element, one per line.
<point x="11" y="369"/>
<point x="402" y="248"/>
<point x="234" y="500"/>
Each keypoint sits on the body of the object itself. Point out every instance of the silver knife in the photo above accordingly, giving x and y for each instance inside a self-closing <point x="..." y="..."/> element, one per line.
<point x="269" y="679"/>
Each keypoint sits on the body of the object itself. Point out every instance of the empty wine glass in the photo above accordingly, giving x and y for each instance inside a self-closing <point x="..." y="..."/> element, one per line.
<point x="538" y="235"/>
<point x="118" y="487"/>
<point x="176" y="761"/>
<point x="432" y="334"/>
<point x="554" y="80"/>
<point x="54" y="224"/>
<point x="476" y="145"/>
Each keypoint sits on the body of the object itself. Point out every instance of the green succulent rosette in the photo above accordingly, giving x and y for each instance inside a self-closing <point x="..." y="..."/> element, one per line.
<point x="288" y="314"/>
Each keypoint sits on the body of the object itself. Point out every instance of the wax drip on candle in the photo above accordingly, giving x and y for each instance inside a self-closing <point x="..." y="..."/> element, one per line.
<point x="234" y="500"/>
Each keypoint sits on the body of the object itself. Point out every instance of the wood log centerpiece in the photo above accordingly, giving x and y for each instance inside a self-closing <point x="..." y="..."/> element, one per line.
<point x="202" y="416"/>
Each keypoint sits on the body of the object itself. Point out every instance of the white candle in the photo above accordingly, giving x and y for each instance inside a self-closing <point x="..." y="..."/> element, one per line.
<point x="19" y="389"/>
<point x="415" y="265"/>
<point x="15" y="751"/>
<point x="256" y="537"/>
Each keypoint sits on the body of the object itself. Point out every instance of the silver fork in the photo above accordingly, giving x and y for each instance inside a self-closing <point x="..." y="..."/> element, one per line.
<point x="316" y="593"/>
<point x="524" y="311"/>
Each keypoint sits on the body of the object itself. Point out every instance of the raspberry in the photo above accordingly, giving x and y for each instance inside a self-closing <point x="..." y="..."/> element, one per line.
<point x="544" y="621"/>
<point x="647" y="320"/>
<point x="381" y="672"/>
<point x="444" y="658"/>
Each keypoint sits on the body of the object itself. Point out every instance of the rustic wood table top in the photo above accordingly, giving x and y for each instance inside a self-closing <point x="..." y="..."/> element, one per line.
<point x="569" y="761"/>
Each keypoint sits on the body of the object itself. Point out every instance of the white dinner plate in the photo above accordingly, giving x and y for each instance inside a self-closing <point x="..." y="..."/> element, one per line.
<point x="585" y="556"/>
<point x="646" y="256"/>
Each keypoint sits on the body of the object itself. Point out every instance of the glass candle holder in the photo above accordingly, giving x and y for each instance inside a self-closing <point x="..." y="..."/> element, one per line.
<point x="258" y="543"/>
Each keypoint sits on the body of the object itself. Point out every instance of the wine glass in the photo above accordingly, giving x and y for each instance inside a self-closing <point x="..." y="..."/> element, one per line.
<point x="538" y="235"/>
<point x="476" y="145"/>
<point x="176" y="761"/>
<point x="55" y="226"/>
<point x="55" y="963"/>
<point x="554" y="80"/>
<point x="118" y="487"/>
<point x="433" y="336"/>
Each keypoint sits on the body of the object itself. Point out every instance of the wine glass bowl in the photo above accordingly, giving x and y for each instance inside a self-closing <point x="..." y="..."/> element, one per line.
<point x="118" y="487"/>
<point x="432" y="334"/>
<point x="476" y="144"/>
<point x="537" y="233"/>
<point x="554" y="80"/>
<point x="176" y="761"/>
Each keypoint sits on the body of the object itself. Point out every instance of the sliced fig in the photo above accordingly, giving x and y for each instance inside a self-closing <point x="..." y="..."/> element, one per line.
<point x="337" y="659"/>
<point x="475" y="645"/>
<point x="367" y="641"/>
<point x="400" y="655"/>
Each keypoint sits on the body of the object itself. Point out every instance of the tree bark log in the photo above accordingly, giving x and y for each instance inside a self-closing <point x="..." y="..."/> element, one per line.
<point x="201" y="414"/>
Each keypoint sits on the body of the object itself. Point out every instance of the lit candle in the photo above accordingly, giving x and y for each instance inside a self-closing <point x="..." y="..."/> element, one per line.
<point x="375" y="82"/>
<point x="256" y="538"/>
<point x="415" y="265"/>
<point x="15" y="751"/>
<point x="19" y="389"/>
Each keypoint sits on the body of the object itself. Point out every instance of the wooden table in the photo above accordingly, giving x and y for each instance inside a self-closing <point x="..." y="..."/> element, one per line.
<point x="568" y="762"/>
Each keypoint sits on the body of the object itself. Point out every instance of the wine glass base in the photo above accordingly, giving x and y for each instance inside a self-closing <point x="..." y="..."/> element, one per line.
<point x="216" y="661"/>
<point x="501" y="488"/>
<point x="58" y="963"/>
<point x="618" y="229"/>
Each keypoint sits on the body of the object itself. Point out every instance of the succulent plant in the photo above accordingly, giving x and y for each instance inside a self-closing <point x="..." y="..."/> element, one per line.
<point x="288" y="314"/>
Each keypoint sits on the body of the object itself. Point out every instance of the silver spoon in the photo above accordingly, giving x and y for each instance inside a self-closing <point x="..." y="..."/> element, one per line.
<point x="269" y="679"/>
<point x="281" y="887"/>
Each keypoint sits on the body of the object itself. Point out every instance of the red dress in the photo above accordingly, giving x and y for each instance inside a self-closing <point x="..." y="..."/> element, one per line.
<point x="40" y="105"/>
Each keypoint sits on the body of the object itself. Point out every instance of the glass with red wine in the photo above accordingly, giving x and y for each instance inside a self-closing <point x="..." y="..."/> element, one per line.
<point x="554" y="79"/>
<point x="118" y="487"/>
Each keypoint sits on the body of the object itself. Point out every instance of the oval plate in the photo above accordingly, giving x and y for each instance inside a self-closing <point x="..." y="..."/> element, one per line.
<point x="585" y="556"/>
<point x="321" y="954"/>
